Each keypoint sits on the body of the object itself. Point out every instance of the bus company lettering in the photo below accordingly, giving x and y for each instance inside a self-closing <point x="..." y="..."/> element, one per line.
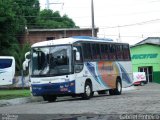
<point x="107" y="68"/>
<point x="144" y="56"/>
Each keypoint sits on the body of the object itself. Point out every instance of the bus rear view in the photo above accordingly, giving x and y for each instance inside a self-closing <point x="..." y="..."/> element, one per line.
<point x="7" y="70"/>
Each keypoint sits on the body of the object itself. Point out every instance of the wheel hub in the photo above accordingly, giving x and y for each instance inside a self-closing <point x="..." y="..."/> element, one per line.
<point x="88" y="90"/>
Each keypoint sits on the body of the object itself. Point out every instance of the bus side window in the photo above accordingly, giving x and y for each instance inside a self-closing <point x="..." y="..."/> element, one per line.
<point x="78" y="66"/>
<point x="119" y="52"/>
<point x="126" y="52"/>
<point x="87" y="51"/>
<point x="112" y="52"/>
<point x="104" y="51"/>
<point x="95" y="51"/>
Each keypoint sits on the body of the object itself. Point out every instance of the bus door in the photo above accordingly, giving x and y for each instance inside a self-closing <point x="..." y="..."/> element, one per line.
<point x="78" y="66"/>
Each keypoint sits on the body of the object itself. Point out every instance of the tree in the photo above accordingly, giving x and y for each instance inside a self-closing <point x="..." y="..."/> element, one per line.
<point x="7" y="28"/>
<point x="18" y="52"/>
<point x="14" y="16"/>
<point x="28" y="9"/>
<point x="50" y="19"/>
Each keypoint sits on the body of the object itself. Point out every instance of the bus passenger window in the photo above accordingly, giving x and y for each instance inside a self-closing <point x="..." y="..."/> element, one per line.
<point x="104" y="51"/>
<point x="119" y="52"/>
<point x="126" y="52"/>
<point x="112" y="52"/>
<point x="87" y="51"/>
<point x="95" y="51"/>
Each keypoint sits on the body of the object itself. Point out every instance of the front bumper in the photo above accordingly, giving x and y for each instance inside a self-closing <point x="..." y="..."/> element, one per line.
<point x="53" y="88"/>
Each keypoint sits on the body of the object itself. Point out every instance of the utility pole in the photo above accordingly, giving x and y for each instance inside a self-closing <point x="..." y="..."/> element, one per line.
<point x="119" y="35"/>
<point x="48" y="3"/>
<point x="92" y="15"/>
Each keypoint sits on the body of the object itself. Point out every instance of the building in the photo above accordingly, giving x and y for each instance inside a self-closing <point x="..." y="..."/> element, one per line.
<point x="37" y="35"/>
<point x="146" y="58"/>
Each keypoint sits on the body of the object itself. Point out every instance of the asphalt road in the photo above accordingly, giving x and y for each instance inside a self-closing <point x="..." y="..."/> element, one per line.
<point x="141" y="102"/>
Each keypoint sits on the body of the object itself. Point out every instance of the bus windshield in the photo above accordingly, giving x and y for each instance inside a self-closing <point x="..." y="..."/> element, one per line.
<point x="51" y="61"/>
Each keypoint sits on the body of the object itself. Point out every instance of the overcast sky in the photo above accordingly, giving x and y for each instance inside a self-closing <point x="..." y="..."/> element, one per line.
<point x="124" y="20"/>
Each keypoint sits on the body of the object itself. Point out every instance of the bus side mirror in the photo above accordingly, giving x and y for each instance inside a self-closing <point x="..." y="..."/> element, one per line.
<point x="78" y="56"/>
<point x="28" y="56"/>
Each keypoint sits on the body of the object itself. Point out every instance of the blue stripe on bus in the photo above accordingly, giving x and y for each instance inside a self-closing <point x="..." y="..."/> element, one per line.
<point x="53" y="88"/>
<point x="125" y="75"/>
<point x="92" y="69"/>
<point x="91" y="38"/>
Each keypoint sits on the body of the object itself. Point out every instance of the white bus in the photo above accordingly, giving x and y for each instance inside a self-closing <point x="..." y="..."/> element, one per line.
<point x="79" y="66"/>
<point x="7" y="70"/>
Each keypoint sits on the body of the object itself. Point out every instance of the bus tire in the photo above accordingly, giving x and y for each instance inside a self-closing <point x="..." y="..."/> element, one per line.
<point x="118" y="89"/>
<point x="49" y="98"/>
<point x="88" y="93"/>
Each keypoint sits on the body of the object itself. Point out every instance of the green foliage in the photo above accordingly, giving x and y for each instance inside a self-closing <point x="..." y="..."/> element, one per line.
<point x="50" y="19"/>
<point x="28" y="10"/>
<point x="18" y="52"/>
<point x="7" y="27"/>
<point x="68" y="22"/>
<point x="14" y="16"/>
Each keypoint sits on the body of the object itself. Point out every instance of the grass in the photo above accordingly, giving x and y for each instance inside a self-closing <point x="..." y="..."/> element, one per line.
<point x="10" y="94"/>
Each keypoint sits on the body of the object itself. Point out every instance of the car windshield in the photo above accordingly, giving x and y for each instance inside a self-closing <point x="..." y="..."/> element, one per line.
<point x="51" y="61"/>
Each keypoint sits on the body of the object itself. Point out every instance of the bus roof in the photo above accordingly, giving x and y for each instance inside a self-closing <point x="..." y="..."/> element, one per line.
<point x="71" y="40"/>
<point x="6" y="57"/>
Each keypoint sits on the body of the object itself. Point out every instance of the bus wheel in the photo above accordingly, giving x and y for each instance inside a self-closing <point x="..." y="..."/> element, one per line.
<point x="49" y="98"/>
<point x="88" y="93"/>
<point x="118" y="89"/>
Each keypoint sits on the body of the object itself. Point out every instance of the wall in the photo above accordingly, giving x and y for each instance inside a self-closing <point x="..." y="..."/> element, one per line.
<point x="147" y="55"/>
<point x="38" y="35"/>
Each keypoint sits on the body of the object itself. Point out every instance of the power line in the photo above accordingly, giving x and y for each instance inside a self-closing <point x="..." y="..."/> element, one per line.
<point x="133" y="24"/>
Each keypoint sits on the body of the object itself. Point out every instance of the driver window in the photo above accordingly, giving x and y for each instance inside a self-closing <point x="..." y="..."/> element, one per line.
<point x="79" y="49"/>
<point x="78" y="63"/>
